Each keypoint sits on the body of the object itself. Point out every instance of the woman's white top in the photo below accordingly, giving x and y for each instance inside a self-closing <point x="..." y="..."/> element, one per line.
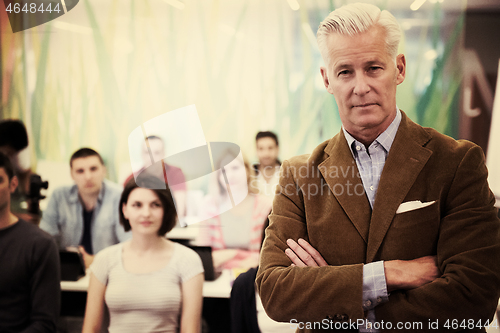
<point x="145" y="302"/>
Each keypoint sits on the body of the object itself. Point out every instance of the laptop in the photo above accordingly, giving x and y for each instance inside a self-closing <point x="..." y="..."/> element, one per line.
<point x="72" y="265"/>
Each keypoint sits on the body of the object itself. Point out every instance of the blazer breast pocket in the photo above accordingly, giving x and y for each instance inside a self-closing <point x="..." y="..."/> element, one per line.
<point x="418" y="217"/>
<point x="412" y="234"/>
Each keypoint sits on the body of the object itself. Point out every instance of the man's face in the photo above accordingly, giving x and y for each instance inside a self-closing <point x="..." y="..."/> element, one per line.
<point x="6" y="189"/>
<point x="157" y="150"/>
<point x="88" y="174"/>
<point x="363" y="78"/>
<point x="267" y="151"/>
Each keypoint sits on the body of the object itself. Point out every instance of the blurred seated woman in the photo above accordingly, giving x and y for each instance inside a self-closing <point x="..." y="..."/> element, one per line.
<point x="149" y="283"/>
<point x="235" y="214"/>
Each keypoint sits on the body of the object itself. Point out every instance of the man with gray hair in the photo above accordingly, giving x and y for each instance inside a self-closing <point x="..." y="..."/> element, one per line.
<point x="399" y="218"/>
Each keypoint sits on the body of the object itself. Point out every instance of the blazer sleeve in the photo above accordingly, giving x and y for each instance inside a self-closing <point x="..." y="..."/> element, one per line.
<point x="302" y="293"/>
<point x="468" y="252"/>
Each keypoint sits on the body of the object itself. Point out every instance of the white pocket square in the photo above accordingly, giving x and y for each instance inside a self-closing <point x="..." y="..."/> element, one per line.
<point x="412" y="205"/>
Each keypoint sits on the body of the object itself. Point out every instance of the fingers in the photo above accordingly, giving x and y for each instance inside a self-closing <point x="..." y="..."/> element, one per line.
<point x="318" y="258"/>
<point x="300" y="256"/>
<point x="294" y="258"/>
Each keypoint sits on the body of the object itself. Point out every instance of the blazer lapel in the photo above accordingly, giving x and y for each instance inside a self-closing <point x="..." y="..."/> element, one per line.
<point x="406" y="159"/>
<point x="346" y="180"/>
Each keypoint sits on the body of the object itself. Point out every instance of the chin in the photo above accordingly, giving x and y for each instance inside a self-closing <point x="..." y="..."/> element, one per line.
<point x="369" y="120"/>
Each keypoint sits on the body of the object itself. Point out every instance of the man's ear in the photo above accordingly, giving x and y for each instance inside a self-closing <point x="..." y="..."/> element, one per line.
<point x="326" y="81"/>
<point x="13" y="184"/>
<point x="324" y="74"/>
<point x="401" y="68"/>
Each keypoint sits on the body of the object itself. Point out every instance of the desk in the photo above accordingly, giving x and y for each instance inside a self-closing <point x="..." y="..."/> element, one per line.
<point x="220" y="288"/>
<point x="185" y="233"/>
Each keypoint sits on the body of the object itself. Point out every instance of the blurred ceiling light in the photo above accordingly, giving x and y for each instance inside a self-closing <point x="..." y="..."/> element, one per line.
<point x="293" y="4"/>
<point x="417" y="4"/>
<point x="71" y="27"/>
<point x="431" y="54"/>
<point x="175" y="3"/>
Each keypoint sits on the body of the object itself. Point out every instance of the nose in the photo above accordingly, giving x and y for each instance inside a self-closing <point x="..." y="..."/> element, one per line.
<point x="361" y="86"/>
<point x="146" y="210"/>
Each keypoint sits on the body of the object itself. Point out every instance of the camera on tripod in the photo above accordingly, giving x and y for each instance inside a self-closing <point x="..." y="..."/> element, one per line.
<point x="34" y="196"/>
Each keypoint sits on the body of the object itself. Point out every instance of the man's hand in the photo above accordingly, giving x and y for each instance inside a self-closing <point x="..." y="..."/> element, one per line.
<point x="87" y="258"/>
<point x="410" y="274"/>
<point x="303" y="254"/>
<point x="399" y="274"/>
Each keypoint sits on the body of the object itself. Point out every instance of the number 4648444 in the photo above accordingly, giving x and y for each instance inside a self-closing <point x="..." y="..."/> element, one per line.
<point x="32" y="8"/>
<point x="469" y="324"/>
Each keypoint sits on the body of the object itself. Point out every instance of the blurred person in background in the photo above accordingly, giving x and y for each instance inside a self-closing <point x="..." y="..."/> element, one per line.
<point x="233" y="231"/>
<point x="247" y="313"/>
<point x="84" y="215"/>
<point x="267" y="170"/>
<point x="29" y="267"/>
<point x="14" y="144"/>
<point x="153" y="149"/>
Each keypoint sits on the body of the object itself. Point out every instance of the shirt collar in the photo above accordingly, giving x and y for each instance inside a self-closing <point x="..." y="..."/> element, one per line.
<point x="74" y="197"/>
<point x="385" y="139"/>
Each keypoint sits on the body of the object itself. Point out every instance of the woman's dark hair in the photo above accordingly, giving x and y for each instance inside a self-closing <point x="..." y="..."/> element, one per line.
<point x="151" y="183"/>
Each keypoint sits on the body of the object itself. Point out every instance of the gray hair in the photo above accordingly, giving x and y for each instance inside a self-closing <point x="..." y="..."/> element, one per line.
<point x="356" y="18"/>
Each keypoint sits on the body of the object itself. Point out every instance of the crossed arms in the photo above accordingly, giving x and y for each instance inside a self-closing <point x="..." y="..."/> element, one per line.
<point x="399" y="274"/>
<point x="455" y="274"/>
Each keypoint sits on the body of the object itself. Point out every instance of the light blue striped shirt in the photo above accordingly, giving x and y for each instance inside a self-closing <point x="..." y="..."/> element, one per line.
<point x="370" y="163"/>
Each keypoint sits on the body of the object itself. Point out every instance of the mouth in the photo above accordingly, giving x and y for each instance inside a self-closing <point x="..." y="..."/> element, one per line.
<point x="146" y="223"/>
<point x="364" y="105"/>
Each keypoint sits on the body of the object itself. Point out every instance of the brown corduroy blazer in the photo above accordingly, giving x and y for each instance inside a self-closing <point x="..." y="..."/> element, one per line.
<point x="320" y="198"/>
